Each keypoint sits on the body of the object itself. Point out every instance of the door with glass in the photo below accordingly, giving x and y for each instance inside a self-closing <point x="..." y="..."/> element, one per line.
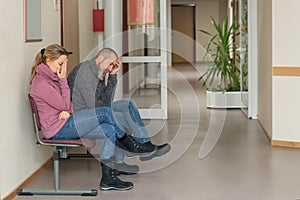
<point x="146" y="56"/>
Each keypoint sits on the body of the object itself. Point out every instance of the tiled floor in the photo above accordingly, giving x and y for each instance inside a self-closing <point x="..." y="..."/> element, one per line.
<point x="241" y="166"/>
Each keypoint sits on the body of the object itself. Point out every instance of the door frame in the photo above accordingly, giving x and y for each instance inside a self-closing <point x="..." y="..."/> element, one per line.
<point x="61" y="23"/>
<point x="251" y="111"/>
<point x="252" y="59"/>
<point x="76" y="50"/>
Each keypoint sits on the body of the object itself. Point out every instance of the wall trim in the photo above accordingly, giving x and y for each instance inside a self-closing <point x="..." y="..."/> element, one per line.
<point x="286" y="71"/>
<point x="29" y="179"/>
<point x="278" y="143"/>
<point x="285" y="144"/>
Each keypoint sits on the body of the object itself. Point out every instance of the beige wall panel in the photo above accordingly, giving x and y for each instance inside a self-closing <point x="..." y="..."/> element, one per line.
<point x="265" y="65"/>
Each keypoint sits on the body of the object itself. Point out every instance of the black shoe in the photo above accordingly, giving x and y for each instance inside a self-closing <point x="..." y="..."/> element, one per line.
<point x="110" y="181"/>
<point x="115" y="184"/>
<point x="161" y="150"/>
<point x="134" y="148"/>
<point x="125" y="169"/>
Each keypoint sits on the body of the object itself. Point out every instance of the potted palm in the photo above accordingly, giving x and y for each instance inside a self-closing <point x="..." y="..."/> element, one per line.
<point x="222" y="78"/>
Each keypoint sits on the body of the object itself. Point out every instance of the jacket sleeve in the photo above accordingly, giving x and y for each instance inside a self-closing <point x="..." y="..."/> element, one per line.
<point x="105" y="94"/>
<point x="59" y="100"/>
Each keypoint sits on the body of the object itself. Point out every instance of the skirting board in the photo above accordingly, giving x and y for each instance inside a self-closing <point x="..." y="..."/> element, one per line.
<point x="278" y="143"/>
<point x="285" y="144"/>
<point x="29" y="179"/>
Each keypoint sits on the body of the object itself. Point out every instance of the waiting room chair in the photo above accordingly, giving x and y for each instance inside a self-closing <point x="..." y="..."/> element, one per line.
<point x="59" y="152"/>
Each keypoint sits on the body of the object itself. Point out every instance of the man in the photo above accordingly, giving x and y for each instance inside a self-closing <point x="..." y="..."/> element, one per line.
<point x="90" y="89"/>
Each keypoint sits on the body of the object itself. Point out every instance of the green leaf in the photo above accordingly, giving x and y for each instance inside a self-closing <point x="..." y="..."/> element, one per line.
<point x="221" y="47"/>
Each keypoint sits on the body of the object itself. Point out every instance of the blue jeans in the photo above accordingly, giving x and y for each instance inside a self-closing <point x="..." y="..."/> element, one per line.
<point x="96" y="123"/>
<point x="128" y="118"/>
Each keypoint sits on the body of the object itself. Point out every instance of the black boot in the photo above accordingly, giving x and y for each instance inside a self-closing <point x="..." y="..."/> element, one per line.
<point x="109" y="180"/>
<point x="134" y="148"/>
<point x="161" y="150"/>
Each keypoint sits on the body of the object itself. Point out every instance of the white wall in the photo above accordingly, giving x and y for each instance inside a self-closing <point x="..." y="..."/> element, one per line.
<point x="286" y="108"/>
<point x="285" y="33"/>
<point x="264" y="25"/>
<point x="286" y="93"/>
<point x="20" y="154"/>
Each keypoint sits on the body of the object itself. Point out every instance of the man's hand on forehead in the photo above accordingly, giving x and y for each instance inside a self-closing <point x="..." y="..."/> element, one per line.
<point x="115" y="66"/>
<point x="116" y="61"/>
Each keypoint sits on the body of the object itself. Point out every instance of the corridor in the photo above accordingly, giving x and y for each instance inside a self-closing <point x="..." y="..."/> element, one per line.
<point x="241" y="166"/>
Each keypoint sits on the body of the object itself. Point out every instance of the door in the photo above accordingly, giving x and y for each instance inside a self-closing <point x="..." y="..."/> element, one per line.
<point x="146" y="56"/>
<point x="183" y="22"/>
<point x="70" y="30"/>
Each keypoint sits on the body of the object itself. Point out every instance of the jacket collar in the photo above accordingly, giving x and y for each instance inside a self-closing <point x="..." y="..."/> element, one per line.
<point x="43" y="70"/>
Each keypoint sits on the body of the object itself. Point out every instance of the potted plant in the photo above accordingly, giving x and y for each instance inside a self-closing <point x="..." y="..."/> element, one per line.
<point x="222" y="78"/>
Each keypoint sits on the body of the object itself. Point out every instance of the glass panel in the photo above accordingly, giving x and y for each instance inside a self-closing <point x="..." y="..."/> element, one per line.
<point x="144" y="39"/>
<point x="244" y="50"/>
<point x="145" y="82"/>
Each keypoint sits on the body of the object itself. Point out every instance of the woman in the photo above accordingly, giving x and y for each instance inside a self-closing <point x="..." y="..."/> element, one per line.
<point x="51" y="93"/>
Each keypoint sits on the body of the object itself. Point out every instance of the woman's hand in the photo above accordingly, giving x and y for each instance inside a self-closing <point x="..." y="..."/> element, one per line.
<point x="117" y="66"/>
<point x="62" y="73"/>
<point x="64" y="115"/>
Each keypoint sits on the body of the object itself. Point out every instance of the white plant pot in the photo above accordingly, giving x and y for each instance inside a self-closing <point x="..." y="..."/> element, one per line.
<point x="224" y="99"/>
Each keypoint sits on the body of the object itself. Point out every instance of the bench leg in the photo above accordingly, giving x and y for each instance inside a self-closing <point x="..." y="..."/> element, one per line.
<point x="57" y="190"/>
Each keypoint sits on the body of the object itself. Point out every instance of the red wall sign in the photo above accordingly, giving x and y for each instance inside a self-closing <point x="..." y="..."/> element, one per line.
<point x="98" y="20"/>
